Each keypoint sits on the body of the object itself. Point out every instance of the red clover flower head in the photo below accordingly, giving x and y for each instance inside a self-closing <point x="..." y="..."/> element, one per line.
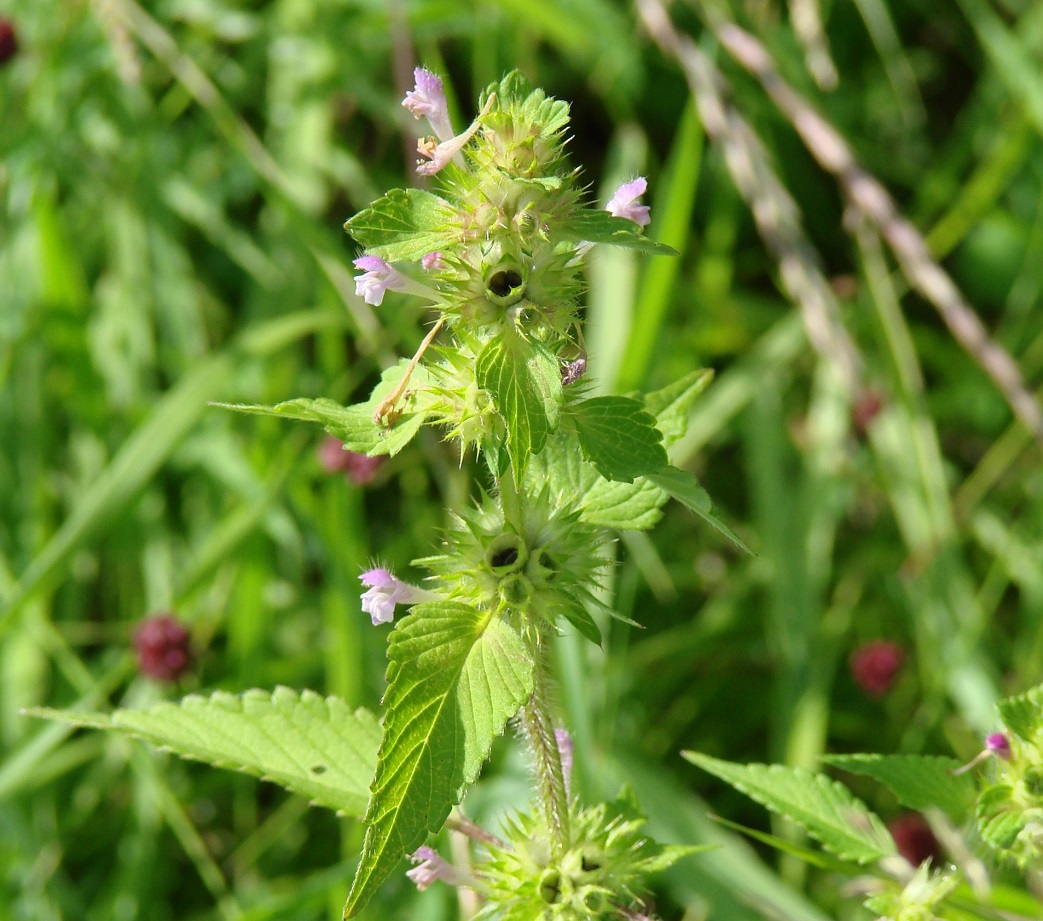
<point x="427" y="100"/>
<point x="874" y="666"/>
<point x="163" y="647"/>
<point x="384" y="592"/>
<point x="8" y="41"/>
<point x="625" y="202"/>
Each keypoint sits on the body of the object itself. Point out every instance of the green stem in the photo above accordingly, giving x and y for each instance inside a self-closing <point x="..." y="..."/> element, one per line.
<point x="539" y="731"/>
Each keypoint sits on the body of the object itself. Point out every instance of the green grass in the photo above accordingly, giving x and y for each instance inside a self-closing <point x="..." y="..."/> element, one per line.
<point x="173" y="180"/>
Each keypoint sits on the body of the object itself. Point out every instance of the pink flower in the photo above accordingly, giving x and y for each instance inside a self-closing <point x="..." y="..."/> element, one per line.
<point x="439" y="155"/>
<point x="385" y="592"/>
<point x="624" y="203"/>
<point x="427" y="100"/>
<point x="433" y="262"/>
<point x="432" y="867"/>
<point x="874" y="666"/>
<point x="377" y="278"/>
<point x="359" y="469"/>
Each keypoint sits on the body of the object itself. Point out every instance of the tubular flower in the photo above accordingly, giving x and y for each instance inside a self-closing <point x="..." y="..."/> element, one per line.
<point x="439" y="155"/>
<point x="427" y="100"/>
<point x="625" y="202"/>
<point x="377" y="277"/>
<point x="384" y="592"/>
<point x="432" y="867"/>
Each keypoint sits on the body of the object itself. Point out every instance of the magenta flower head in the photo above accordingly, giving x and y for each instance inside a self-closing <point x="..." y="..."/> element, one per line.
<point x="625" y="202"/>
<point x="427" y="100"/>
<point x="384" y="592"/>
<point x="997" y="743"/>
<point x="875" y="665"/>
<point x="163" y="645"/>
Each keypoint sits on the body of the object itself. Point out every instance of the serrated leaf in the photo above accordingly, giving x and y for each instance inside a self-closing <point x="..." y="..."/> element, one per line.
<point x="814" y="857"/>
<point x="524" y="383"/>
<point x="918" y="781"/>
<point x="603" y="503"/>
<point x="354" y="424"/>
<point x="1023" y="714"/>
<point x="456" y="676"/>
<point x="619" y="438"/>
<point x="405" y="225"/>
<point x="315" y="746"/>
<point x="1000" y="818"/>
<point x="597" y="226"/>
<point x="824" y="808"/>
<point x="685" y="488"/>
<point x="671" y="404"/>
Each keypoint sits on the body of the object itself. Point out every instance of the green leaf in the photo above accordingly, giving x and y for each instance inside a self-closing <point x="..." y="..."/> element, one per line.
<point x="814" y="857"/>
<point x="405" y="225"/>
<point x="672" y="403"/>
<point x="523" y="380"/>
<point x="597" y="226"/>
<point x="1023" y="715"/>
<point x="354" y="425"/>
<point x="685" y="488"/>
<point x="315" y="746"/>
<point x="918" y="781"/>
<point x="456" y="675"/>
<point x="619" y="438"/>
<point x="580" y="618"/>
<point x="824" y="808"/>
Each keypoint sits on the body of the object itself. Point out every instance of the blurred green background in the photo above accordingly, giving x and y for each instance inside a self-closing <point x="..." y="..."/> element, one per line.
<point x="173" y="180"/>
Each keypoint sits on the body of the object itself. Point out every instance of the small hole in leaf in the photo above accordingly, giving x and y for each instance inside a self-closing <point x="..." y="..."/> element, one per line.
<point x="319" y="769"/>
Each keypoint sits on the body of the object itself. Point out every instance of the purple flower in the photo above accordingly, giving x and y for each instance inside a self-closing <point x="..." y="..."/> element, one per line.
<point x="377" y="278"/>
<point x="385" y="592"/>
<point x="432" y="867"/>
<point x="624" y="203"/>
<point x="998" y="744"/>
<point x="427" y="100"/>
<point x="439" y="155"/>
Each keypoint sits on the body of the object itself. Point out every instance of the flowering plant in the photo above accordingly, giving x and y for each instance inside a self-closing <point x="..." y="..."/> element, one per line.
<point x="497" y="251"/>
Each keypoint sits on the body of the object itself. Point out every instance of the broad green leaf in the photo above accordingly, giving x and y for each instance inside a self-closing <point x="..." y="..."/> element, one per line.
<point x="604" y="503"/>
<point x="619" y="438"/>
<point x="456" y="676"/>
<point x="685" y="488"/>
<point x="1023" y="715"/>
<point x="671" y="404"/>
<point x="523" y="380"/>
<point x="354" y="425"/>
<point x="596" y="226"/>
<point x="824" y="808"/>
<point x="315" y="746"/>
<point x="405" y="225"/>
<point x="918" y="781"/>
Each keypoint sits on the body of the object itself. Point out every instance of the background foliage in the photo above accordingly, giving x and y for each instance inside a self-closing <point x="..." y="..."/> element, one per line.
<point x="173" y="178"/>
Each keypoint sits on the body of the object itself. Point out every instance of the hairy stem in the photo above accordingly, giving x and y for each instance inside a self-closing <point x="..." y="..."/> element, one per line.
<point x="539" y="731"/>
